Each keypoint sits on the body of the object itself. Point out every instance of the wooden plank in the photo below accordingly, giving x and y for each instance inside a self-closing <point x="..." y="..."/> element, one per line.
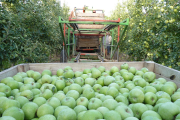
<point x="90" y="39"/>
<point x="149" y="65"/>
<point x="87" y="17"/>
<point x="168" y="73"/>
<point x="9" y="72"/>
<point x="86" y="26"/>
<point x="90" y="14"/>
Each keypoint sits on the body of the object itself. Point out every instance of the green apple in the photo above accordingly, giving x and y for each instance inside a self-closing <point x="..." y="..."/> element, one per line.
<point x="101" y="68"/>
<point x="5" y="89"/>
<point x="139" y="73"/>
<point x="46" y="79"/>
<point x="130" y="86"/>
<point x="94" y="103"/>
<point x="7" y="118"/>
<point x="123" y="71"/>
<point x="96" y="73"/>
<point x="145" y="70"/>
<point x="69" y="81"/>
<point x="29" y="73"/>
<point x="103" y="110"/>
<point x="46" y="72"/>
<point x="139" y="82"/>
<point x="78" y="74"/>
<point x="69" y="101"/>
<point x="13" y="84"/>
<point x="60" y="84"/>
<point x="92" y="115"/>
<point x="121" y="98"/>
<point x="14" y="112"/>
<point x="67" y="68"/>
<point x="150" y="89"/>
<point x="59" y="95"/>
<point x="29" y="110"/>
<point x="22" y="100"/>
<point x="138" y="87"/>
<point x="162" y="94"/>
<point x="150" y="118"/>
<point x="157" y="85"/>
<point x="58" y="109"/>
<point x="39" y="101"/>
<point x="149" y="76"/>
<point x="120" y="84"/>
<point x="54" y="102"/>
<point x="131" y="118"/>
<point x="73" y="93"/>
<point x="76" y="87"/>
<point x="168" y="88"/>
<point x="45" y="109"/>
<point x="124" y="111"/>
<point x="100" y="96"/>
<point x="116" y="74"/>
<point x="89" y="93"/>
<point x="162" y="100"/>
<point x="113" y="92"/>
<point x="138" y="109"/>
<point x="121" y="104"/>
<point x="86" y="86"/>
<point x="108" y="80"/>
<point x="178" y="117"/>
<point x="68" y="74"/>
<point x="136" y="96"/>
<point x="125" y="66"/>
<point x="36" y="76"/>
<point x="112" y="115"/>
<point x="150" y="113"/>
<point x="111" y="104"/>
<point x="80" y="108"/>
<point x="104" y="90"/>
<point x="119" y="78"/>
<point x="46" y="94"/>
<point x="18" y="78"/>
<point x="106" y="97"/>
<point x="84" y="76"/>
<point x="80" y="115"/>
<point x="82" y="101"/>
<point x="67" y="114"/>
<point x="97" y="87"/>
<point x="114" y="69"/>
<point x="90" y="81"/>
<point x="114" y="85"/>
<point x="123" y="90"/>
<point x="127" y="76"/>
<point x="162" y="80"/>
<point x="6" y="80"/>
<point x="3" y="94"/>
<point x="171" y="83"/>
<point x="150" y="107"/>
<point x="79" y="81"/>
<point x="132" y="70"/>
<point x="59" y="72"/>
<point x="168" y="110"/>
<point x="150" y="98"/>
<point x="100" y="80"/>
<point x="47" y="117"/>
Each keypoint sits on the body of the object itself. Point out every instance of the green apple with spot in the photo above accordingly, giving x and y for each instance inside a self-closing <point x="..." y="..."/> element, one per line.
<point x="150" y="89"/>
<point x="150" y="98"/>
<point x="112" y="91"/>
<point x="139" y="82"/>
<point x="149" y="76"/>
<point x="162" y="94"/>
<point x="69" y="101"/>
<point x="59" y="72"/>
<point x="46" y="94"/>
<point x="121" y="98"/>
<point x="136" y="96"/>
<point x="96" y="73"/>
<point x="94" y="103"/>
<point x="104" y="90"/>
<point x="76" y="87"/>
<point x="82" y="101"/>
<point x="108" y="80"/>
<point x="132" y="70"/>
<point x="168" y="88"/>
<point x="119" y="78"/>
<point x="138" y="109"/>
<point x="124" y="111"/>
<point x="97" y="87"/>
<point x="139" y="73"/>
<point x="125" y="66"/>
<point x="46" y="79"/>
<point x="79" y="80"/>
<point x="5" y="89"/>
<point x="157" y="85"/>
<point x="89" y="93"/>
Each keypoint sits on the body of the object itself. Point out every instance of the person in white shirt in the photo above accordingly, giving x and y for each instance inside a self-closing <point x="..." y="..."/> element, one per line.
<point x="109" y="43"/>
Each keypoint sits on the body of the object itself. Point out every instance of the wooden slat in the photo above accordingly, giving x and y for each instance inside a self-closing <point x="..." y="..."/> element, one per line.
<point x="95" y="18"/>
<point x="86" y="26"/>
<point x="90" y="14"/>
<point x="168" y="73"/>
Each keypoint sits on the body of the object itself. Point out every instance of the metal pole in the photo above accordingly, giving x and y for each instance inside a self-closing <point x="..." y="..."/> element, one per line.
<point x="68" y="41"/>
<point x="112" y="42"/>
<point x="63" y="53"/>
<point x="104" y="46"/>
<point x="73" y="44"/>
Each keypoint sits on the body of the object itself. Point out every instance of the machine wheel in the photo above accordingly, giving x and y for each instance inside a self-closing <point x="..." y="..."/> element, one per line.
<point x="63" y="54"/>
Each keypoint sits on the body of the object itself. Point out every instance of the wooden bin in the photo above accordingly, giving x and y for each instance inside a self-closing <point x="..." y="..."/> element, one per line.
<point x="160" y="70"/>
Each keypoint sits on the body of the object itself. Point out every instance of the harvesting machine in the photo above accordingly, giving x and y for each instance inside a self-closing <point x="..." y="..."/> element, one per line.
<point x="83" y="35"/>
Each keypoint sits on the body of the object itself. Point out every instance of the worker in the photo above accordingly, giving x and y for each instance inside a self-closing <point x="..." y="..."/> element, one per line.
<point x="109" y="43"/>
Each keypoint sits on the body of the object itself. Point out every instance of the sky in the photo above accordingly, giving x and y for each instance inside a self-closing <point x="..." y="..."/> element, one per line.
<point x="107" y="5"/>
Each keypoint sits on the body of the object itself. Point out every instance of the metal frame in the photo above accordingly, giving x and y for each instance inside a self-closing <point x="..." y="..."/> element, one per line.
<point x="72" y="26"/>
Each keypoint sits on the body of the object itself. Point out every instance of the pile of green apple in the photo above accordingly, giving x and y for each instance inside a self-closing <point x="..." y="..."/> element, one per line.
<point x="123" y="93"/>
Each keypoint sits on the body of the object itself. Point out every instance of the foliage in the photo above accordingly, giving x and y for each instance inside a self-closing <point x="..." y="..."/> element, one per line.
<point x="29" y="31"/>
<point x="154" y="30"/>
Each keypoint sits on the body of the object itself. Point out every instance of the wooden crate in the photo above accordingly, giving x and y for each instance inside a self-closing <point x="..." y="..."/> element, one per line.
<point x="87" y="42"/>
<point x="160" y="70"/>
